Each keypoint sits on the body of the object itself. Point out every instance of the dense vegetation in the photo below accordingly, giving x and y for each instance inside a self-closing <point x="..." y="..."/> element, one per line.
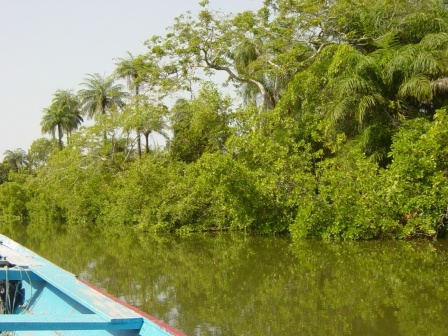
<point x="339" y="130"/>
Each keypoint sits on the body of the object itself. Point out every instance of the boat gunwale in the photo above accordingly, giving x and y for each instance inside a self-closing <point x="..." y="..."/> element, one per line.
<point x="43" y="268"/>
<point x="173" y="331"/>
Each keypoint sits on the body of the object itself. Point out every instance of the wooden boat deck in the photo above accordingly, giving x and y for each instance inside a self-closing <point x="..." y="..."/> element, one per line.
<point x="16" y="257"/>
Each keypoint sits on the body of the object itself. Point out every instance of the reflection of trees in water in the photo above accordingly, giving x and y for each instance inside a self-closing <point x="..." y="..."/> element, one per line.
<point x="377" y="288"/>
<point x="226" y="284"/>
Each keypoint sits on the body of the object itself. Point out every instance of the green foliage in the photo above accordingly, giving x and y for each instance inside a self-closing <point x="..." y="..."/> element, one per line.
<point x="346" y="202"/>
<point x="341" y="134"/>
<point x="63" y="115"/>
<point x="416" y="178"/>
<point x="72" y="185"/>
<point x="16" y="159"/>
<point x="39" y="151"/>
<point x="100" y="94"/>
<point x="14" y="194"/>
<point x="200" y="126"/>
<point x="133" y="69"/>
<point x="281" y="162"/>
<point x="214" y="193"/>
<point x="143" y="116"/>
<point x="138" y="194"/>
<point x="354" y="199"/>
<point x="4" y="172"/>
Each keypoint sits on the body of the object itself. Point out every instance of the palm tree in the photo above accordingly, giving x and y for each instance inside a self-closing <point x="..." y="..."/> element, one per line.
<point x="52" y="122"/>
<point x="68" y="101"/>
<point x="100" y="94"/>
<point x="63" y="115"/>
<point x="132" y="69"/>
<point x="153" y="121"/>
<point x="145" y="117"/>
<point x="369" y="95"/>
<point x="16" y="158"/>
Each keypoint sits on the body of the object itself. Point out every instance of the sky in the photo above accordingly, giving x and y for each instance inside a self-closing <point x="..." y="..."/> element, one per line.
<point x="47" y="45"/>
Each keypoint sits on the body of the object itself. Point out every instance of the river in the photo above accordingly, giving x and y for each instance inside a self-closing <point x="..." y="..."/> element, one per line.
<point x="235" y="284"/>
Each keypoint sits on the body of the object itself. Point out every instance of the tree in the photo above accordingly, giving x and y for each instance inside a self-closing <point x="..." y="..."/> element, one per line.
<point x="133" y="70"/>
<point x="63" y="115"/>
<point x="68" y="101"/>
<point x="16" y="158"/>
<point x="154" y="121"/>
<point x="372" y="66"/>
<point x="243" y="47"/>
<point x="201" y="125"/>
<point x="144" y="117"/>
<point x="40" y="150"/>
<point x="370" y="94"/>
<point x="415" y="181"/>
<point x="14" y="196"/>
<point x="4" y="172"/>
<point x="100" y="94"/>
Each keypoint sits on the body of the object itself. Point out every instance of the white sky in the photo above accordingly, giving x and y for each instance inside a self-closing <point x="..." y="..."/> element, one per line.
<point x="46" y="45"/>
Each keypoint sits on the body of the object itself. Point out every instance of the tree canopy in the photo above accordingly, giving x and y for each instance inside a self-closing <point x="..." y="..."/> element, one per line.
<point x="320" y="119"/>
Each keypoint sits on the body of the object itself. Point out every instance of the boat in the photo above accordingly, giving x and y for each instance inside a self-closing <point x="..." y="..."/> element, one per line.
<point x="39" y="298"/>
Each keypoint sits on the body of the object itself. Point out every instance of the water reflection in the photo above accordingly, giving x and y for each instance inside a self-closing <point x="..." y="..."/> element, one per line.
<point x="228" y="284"/>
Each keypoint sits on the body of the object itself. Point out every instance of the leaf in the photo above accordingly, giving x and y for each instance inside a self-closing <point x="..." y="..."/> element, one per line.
<point x="418" y="87"/>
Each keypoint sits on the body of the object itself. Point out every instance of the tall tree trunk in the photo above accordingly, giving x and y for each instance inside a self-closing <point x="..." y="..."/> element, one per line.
<point x="139" y="140"/>
<point x="147" y="141"/>
<point x="103" y="112"/>
<point x="60" y="135"/>
<point x="139" y="144"/>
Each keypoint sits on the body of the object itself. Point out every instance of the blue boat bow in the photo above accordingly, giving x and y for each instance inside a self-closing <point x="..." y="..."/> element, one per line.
<point x="40" y="298"/>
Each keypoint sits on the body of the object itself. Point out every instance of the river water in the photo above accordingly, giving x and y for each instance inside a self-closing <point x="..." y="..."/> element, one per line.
<point x="235" y="284"/>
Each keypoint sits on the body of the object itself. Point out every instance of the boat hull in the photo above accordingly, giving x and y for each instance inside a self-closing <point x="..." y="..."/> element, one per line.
<point x="48" y="300"/>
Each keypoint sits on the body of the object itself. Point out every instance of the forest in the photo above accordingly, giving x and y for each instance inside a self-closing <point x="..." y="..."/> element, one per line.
<point x="319" y="119"/>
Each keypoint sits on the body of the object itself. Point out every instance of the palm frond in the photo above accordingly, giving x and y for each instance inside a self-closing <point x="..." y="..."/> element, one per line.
<point x="418" y="87"/>
<point x="342" y="109"/>
<point x="100" y="94"/>
<point x="417" y="25"/>
<point x="369" y="68"/>
<point x="425" y="63"/>
<point x="244" y="54"/>
<point x="434" y="41"/>
<point x="388" y="40"/>
<point x="345" y="57"/>
<point x="400" y="62"/>
<point x="16" y="158"/>
<point x="354" y="85"/>
<point x="440" y="85"/>
<point x="367" y="104"/>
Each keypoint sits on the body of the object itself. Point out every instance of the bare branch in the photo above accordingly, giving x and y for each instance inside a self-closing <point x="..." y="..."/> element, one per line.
<point x="234" y="75"/>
